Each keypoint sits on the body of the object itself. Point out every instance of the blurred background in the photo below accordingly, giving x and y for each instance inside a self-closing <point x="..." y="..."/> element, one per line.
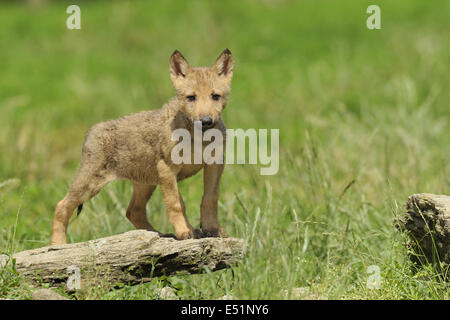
<point x="363" y="118"/>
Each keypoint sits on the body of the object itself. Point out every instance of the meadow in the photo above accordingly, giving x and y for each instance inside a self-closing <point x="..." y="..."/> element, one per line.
<point x="363" y="118"/>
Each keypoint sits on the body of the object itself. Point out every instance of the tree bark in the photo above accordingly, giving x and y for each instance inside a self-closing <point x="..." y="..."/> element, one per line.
<point x="128" y="258"/>
<point x="427" y="220"/>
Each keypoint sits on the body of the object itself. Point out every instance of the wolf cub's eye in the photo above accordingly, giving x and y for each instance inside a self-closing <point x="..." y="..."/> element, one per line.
<point x="215" y="96"/>
<point x="191" y="98"/>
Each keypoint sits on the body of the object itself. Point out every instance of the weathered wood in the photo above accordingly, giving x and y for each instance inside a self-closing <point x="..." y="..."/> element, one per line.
<point x="427" y="220"/>
<point x="132" y="257"/>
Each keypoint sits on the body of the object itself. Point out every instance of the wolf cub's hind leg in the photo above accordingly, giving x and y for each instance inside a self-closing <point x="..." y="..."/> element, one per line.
<point x="86" y="184"/>
<point x="136" y="212"/>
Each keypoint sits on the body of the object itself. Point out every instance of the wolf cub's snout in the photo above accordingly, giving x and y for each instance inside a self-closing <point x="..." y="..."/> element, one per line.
<point x="138" y="148"/>
<point x="207" y="122"/>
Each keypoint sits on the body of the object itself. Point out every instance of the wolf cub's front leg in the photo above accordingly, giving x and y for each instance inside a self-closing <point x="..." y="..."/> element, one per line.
<point x="208" y="210"/>
<point x="174" y="203"/>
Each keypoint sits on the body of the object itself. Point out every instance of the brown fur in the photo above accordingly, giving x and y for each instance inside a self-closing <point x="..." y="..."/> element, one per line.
<point x="138" y="148"/>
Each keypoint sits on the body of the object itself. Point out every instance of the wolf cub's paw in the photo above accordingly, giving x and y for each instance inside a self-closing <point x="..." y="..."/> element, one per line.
<point x="198" y="233"/>
<point x="215" y="233"/>
<point x="191" y="234"/>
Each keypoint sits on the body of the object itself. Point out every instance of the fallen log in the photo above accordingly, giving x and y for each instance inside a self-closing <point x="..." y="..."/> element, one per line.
<point x="129" y="258"/>
<point x="427" y="221"/>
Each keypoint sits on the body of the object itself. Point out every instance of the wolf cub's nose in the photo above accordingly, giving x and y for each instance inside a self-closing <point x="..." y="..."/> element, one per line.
<point x="207" y="122"/>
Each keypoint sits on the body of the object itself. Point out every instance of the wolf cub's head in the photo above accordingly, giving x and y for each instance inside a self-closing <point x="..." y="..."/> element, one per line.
<point x="203" y="91"/>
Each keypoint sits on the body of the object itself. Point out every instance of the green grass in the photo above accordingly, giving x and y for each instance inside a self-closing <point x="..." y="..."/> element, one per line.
<point x="351" y="104"/>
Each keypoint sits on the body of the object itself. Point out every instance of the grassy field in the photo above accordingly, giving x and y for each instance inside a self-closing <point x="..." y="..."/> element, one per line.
<point x="363" y="118"/>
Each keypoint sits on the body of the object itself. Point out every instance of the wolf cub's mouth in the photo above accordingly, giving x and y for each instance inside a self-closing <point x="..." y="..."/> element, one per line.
<point x="204" y="128"/>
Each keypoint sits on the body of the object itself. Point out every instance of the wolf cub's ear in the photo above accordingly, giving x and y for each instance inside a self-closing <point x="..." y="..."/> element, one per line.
<point x="224" y="63"/>
<point x="178" y="64"/>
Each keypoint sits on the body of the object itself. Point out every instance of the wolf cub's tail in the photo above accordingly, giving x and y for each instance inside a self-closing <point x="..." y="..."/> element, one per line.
<point x="80" y="207"/>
